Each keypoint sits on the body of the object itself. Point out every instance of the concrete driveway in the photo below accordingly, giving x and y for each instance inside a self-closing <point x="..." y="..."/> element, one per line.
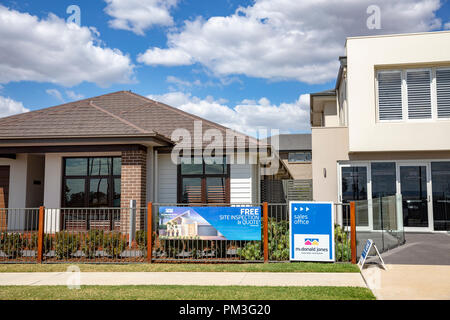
<point x="420" y="269"/>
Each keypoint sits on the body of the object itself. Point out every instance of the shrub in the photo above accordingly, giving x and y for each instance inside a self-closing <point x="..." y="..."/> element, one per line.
<point x="12" y="244"/>
<point x="115" y="243"/>
<point x="251" y="251"/>
<point x="141" y="241"/>
<point x="66" y="244"/>
<point x="278" y="243"/>
<point x="343" y="247"/>
<point x="278" y="240"/>
<point x="91" y="242"/>
<point x="32" y="243"/>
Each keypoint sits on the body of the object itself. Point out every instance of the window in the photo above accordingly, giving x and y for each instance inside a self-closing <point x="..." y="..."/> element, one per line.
<point x="410" y="94"/>
<point x="419" y="94"/>
<point x="443" y="92"/>
<point x="383" y="179"/>
<point x="203" y="181"/>
<point x="390" y="95"/>
<point x="299" y="157"/>
<point x="91" y="182"/>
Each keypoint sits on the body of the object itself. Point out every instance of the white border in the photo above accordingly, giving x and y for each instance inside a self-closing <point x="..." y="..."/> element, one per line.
<point x="333" y="245"/>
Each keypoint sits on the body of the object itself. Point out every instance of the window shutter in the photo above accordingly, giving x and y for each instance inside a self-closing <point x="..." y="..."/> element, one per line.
<point x="419" y="94"/>
<point x="215" y="190"/>
<point x="443" y="92"/>
<point x="390" y="95"/>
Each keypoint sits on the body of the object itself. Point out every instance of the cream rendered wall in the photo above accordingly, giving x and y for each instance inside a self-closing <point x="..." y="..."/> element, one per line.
<point x="17" y="190"/>
<point x="330" y="114"/>
<point x="17" y="180"/>
<point x="299" y="171"/>
<point x="329" y="146"/>
<point x="364" y="56"/>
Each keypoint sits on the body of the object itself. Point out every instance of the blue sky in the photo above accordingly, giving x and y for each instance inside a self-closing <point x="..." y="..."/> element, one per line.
<point x="245" y="64"/>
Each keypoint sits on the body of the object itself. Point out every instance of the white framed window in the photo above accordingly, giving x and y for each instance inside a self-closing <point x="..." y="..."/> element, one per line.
<point x="413" y="94"/>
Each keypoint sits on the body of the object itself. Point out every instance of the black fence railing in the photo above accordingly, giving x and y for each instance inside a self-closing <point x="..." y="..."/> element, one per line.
<point x="121" y="235"/>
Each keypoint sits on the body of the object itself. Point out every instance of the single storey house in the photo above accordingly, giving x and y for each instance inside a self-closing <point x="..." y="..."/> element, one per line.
<point x="104" y="151"/>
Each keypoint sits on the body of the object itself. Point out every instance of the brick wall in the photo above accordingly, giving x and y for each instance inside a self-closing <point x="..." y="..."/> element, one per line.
<point x="133" y="186"/>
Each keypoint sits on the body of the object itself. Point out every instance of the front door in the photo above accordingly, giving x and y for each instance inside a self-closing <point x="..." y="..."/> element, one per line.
<point x="4" y="194"/>
<point x="414" y="185"/>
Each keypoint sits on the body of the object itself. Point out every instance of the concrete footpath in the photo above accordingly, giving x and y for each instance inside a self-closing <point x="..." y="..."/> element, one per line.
<point x="183" y="278"/>
<point x="408" y="282"/>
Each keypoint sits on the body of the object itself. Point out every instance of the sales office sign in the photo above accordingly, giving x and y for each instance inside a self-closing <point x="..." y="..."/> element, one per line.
<point x="311" y="231"/>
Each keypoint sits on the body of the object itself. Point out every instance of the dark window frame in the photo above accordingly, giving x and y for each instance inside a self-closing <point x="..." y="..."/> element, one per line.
<point x="308" y="152"/>
<point x="87" y="179"/>
<point x="203" y="178"/>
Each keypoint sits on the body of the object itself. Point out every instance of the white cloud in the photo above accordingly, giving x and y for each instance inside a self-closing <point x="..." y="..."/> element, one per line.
<point x="9" y="107"/>
<point x="447" y="26"/>
<point x="74" y="96"/>
<point x="248" y="116"/>
<point x="285" y="39"/>
<point x="157" y="56"/>
<point x="49" y="50"/>
<point x="55" y="93"/>
<point x="139" y="15"/>
<point x="181" y="84"/>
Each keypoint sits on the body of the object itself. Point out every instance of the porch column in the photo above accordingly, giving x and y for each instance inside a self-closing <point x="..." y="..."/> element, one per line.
<point x="133" y="186"/>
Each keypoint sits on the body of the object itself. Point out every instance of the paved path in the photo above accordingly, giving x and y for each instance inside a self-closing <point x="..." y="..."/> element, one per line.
<point x="186" y="278"/>
<point x="409" y="282"/>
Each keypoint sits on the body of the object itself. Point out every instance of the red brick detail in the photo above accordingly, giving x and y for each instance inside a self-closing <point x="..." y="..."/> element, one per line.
<point x="133" y="186"/>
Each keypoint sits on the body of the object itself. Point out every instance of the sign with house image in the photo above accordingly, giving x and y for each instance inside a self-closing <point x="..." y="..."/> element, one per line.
<point x="210" y="223"/>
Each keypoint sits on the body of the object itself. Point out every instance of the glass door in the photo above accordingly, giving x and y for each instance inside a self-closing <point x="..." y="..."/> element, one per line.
<point x="354" y="187"/>
<point x="440" y="175"/>
<point x="414" y="186"/>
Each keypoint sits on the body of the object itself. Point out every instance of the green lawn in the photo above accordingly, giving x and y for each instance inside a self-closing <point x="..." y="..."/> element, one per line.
<point x="183" y="293"/>
<point x="159" y="267"/>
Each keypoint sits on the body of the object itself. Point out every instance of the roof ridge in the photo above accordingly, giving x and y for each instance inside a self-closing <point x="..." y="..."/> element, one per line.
<point x="92" y="104"/>
<point x="188" y="114"/>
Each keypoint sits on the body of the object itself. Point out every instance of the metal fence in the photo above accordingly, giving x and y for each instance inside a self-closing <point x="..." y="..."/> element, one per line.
<point x="18" y="235"/>
<point x="185" y="248"/>
<point x="75" y="235"/>
<point x="172" y="245"/>
<point x="121" y="235"/>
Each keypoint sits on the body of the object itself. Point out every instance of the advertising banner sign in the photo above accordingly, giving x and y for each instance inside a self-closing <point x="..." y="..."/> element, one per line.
<point x="365" y="253"/>
<point x="210" y="223"/>
<point x="311" y="231"/>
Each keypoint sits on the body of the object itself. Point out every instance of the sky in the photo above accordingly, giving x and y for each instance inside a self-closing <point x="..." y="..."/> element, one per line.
<point x="244" y="64"/>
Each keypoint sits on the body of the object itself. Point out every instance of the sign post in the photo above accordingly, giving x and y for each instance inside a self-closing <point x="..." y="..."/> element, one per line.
<point x="311" y="231"/>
